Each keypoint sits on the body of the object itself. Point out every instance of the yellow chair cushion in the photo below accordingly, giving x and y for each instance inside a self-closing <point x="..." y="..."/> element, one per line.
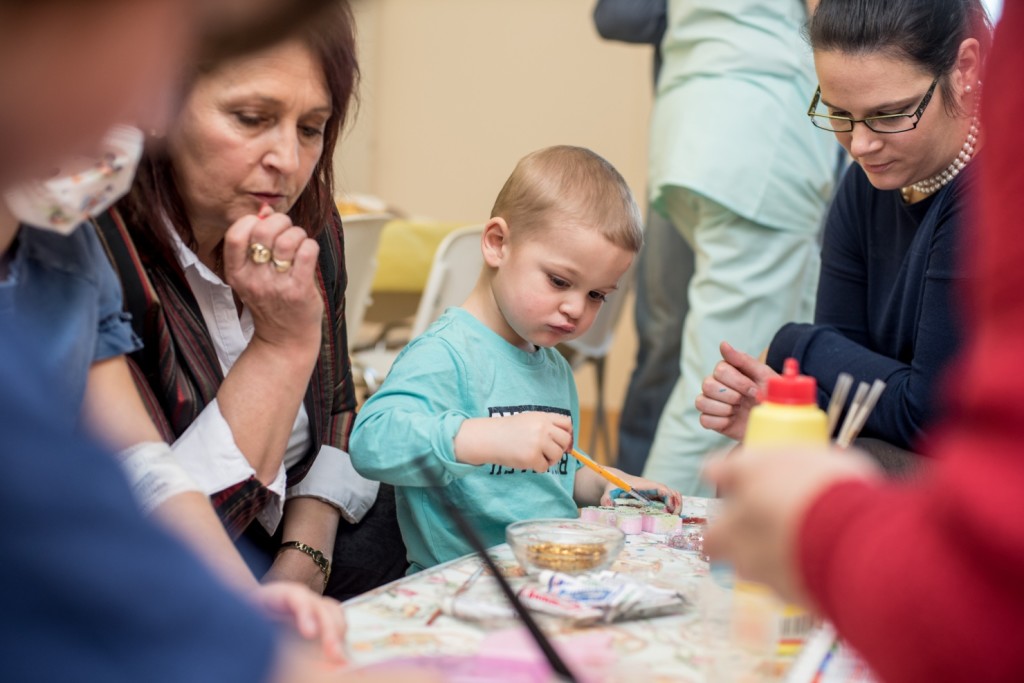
<point x="406" y="252"/>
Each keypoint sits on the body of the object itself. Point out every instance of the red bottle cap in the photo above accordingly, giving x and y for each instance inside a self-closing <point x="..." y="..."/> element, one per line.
<point x="791" y="388"/>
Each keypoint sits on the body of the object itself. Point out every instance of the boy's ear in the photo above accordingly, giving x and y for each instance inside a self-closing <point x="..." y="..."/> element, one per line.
<point x="494" y="242"/>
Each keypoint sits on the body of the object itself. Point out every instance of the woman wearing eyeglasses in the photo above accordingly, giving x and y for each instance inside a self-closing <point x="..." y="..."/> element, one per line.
<point x="900" y="88"/>
<point x="923" y="578"/>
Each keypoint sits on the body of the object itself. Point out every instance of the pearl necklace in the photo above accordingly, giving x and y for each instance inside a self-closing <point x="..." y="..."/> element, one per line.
<point x="937" y="182"/>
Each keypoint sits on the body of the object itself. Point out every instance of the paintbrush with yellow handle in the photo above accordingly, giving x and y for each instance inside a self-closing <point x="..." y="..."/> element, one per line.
<point x="618" y="481"/>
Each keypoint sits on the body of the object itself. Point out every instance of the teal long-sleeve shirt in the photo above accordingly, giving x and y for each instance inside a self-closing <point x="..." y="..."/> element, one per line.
<point x="456" y="370"/>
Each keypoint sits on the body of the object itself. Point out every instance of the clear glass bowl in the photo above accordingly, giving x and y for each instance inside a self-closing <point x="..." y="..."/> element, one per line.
<point x="564" y="545"/>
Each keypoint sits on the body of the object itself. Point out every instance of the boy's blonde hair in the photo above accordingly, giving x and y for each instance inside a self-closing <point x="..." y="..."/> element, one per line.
<point x="572" y="184"/>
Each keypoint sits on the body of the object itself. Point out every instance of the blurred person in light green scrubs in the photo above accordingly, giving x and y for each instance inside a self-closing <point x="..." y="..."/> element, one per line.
<point x="735" y="168"/>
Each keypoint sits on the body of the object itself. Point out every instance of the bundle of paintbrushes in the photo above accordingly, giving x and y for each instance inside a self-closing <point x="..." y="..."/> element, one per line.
<point x="864" y="400"/>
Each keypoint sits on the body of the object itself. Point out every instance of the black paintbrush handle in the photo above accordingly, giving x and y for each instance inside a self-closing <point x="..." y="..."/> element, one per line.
<point x="556" y="663"/>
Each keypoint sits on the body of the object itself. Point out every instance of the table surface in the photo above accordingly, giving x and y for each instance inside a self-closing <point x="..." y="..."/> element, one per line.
<point x="394" y="622"/>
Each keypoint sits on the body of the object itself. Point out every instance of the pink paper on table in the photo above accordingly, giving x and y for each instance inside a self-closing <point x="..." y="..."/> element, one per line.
<point x="588" y="655"/>
<point x="468" y="669"/>
<point x="511" y="656"/>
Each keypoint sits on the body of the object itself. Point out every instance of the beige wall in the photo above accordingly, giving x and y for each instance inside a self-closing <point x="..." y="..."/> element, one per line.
<point x="455" y="91"/>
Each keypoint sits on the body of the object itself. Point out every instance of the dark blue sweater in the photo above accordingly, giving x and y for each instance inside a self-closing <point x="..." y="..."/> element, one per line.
<point x="886" y="309"/>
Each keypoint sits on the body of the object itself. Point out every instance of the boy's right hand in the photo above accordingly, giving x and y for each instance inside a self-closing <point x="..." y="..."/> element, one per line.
<point x="533" y="440"/>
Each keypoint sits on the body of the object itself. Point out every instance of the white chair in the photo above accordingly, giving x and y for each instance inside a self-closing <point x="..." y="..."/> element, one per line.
<point x="362" y="237"/>
<point x="593" y="347"/>
<point x="453" y="273"/>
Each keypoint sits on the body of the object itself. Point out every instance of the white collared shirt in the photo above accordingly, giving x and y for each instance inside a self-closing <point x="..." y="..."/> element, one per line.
<point x="207" y="448"/>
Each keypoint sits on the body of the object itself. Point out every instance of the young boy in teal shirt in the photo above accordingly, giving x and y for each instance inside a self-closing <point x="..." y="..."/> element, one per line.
<point x="482" y="401"/>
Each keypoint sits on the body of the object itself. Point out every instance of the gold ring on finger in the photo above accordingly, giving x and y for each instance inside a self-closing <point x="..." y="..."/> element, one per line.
<point x="259" y="253"/>
<point x="281" y="265"/>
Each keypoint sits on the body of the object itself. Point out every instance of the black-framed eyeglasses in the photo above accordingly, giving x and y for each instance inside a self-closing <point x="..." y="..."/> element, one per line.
<point x="884" y="123"/>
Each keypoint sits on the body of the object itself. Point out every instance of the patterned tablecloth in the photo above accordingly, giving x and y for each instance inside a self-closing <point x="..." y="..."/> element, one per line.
<point x="400" y="621"/>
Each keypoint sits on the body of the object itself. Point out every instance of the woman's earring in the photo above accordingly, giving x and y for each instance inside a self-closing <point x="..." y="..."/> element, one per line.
<point x="967" y="89"/>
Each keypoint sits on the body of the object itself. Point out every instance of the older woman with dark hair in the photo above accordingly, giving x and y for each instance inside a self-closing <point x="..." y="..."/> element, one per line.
<point x="230" y="252"/>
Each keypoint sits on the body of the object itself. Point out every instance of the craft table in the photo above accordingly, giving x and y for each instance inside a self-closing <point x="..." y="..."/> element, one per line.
<point x="398" y="622"/>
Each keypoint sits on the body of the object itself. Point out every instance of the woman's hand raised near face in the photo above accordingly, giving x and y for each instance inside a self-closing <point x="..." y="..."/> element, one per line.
<point x="271" y="266"/>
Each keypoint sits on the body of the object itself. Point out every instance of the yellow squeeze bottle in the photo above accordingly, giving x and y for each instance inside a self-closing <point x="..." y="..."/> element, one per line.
<point x="788" y="414"/>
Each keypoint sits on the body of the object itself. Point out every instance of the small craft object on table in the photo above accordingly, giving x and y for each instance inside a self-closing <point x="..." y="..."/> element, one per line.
<point x="598" y="515"/>
<point x="629" y="521"/>
<point x="660" y="522"/>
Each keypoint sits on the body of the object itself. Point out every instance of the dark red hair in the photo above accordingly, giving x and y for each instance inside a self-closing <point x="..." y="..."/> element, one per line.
<point x="331" y="38"/>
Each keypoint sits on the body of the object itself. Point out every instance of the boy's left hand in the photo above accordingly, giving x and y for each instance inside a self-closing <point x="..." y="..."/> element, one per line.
<point x="650" y="489"/>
